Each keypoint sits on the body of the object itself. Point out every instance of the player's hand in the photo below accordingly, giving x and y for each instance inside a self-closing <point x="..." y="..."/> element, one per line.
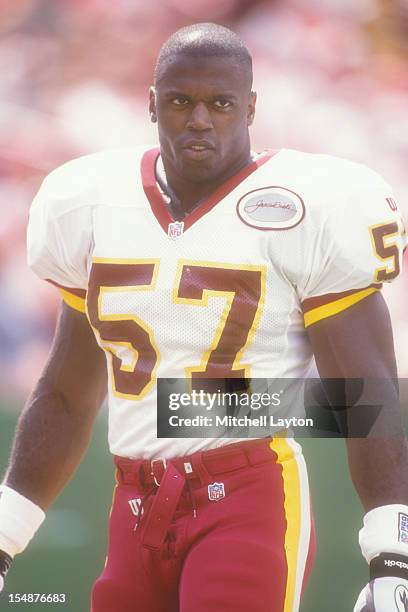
<point x="387" y="594"/>
<point x="5" y="562"/>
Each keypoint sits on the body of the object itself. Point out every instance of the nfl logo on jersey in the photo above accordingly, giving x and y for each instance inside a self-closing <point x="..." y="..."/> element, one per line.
<point x="175" y="230"/>
<point x="216" y="491"/>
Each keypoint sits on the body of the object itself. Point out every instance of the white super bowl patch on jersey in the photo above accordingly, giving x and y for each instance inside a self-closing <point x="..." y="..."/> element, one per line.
<point x="271" y="208"/>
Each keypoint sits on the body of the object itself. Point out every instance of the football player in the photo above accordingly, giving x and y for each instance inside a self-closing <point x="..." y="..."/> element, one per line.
<point x="202" y="259"/>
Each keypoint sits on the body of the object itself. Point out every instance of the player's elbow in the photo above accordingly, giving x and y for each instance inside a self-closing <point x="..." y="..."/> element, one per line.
<point x="72" y="400"/>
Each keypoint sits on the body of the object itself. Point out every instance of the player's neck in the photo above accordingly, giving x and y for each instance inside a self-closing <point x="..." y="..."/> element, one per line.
<point x="190" y="194"/>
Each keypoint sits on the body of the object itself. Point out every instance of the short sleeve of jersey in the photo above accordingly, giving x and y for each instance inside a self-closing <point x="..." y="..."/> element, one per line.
<point x="59" y="237"/>
<point x="354" y="246"/>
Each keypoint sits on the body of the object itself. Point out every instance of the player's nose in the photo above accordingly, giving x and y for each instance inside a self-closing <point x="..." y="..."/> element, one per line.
<point x="200" y="118"/>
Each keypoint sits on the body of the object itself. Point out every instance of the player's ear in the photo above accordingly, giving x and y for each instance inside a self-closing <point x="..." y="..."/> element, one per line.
<point x="152" y="104"/>
<point x="251" y="107"/>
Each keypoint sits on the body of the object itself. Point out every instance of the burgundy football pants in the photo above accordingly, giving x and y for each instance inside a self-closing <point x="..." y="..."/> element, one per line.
<point x="227" y="530"/>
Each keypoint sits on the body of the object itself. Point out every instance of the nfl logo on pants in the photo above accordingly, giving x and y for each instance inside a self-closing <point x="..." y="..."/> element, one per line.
<point x="216" y="491"/>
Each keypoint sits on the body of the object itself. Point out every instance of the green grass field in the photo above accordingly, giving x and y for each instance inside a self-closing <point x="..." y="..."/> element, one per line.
<point x="69" y="551"/>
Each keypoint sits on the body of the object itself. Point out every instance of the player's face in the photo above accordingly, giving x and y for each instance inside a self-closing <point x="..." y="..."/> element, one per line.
<point x="203" y="107"/>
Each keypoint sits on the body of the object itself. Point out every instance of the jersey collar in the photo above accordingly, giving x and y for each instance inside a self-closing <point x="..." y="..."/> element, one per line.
<point x="158" y="203"/>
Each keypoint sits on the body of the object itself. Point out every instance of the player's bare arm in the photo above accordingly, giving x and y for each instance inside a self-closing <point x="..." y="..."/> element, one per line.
<point x="358" y="343"/>
<point x="55" y="427"/>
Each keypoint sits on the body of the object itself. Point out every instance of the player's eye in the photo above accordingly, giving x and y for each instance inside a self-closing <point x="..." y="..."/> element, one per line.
<point x="224" y="104"/>
<point x="179" y="101"/>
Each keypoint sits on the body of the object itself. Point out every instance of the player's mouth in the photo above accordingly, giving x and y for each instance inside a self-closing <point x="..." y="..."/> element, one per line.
<point x="198" y="150"/>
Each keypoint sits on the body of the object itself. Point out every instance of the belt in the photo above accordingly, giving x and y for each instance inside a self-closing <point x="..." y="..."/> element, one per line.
<point x="202" y="464"/>
<point x="169" y="477"/>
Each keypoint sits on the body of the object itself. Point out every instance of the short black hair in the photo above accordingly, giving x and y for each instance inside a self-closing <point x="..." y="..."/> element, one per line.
<point x="203" y="40"/>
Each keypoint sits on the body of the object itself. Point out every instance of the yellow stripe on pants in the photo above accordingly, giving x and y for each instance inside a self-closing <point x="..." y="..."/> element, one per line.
<point x="293" y="507"/>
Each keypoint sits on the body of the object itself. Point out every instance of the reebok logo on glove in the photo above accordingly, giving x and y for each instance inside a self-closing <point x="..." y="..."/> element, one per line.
<point x="400" y="564"/>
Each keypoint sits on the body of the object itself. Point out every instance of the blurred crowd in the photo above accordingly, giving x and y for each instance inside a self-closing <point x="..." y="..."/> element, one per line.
<point x="332" y="76"/>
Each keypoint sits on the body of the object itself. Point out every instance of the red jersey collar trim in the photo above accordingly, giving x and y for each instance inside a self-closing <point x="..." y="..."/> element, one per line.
<point x="157" y="202"/>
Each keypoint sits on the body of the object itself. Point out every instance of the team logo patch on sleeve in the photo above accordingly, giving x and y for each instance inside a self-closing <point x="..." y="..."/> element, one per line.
<point x="271" y="208"/>
<point x="403" y="527"/>
<point x="216" y="491"/>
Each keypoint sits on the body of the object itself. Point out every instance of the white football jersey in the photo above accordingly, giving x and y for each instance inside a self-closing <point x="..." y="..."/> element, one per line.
<point x="289" y="240"/>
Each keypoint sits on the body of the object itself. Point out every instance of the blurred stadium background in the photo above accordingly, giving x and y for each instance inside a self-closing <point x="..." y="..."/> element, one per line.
<point x="332" y="76"/>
